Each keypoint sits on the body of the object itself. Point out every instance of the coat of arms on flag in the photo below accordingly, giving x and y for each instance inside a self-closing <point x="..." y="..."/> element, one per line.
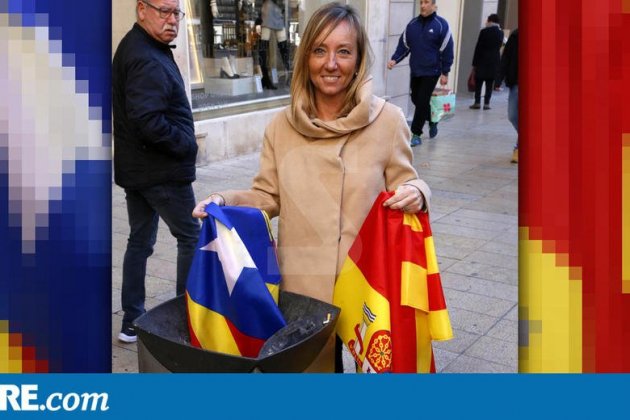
<point x="390" y="294"/>
<point x="233" y="283"/>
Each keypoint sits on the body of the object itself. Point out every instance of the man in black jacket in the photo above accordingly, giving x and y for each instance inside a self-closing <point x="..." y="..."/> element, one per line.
<point x="154" y="149"/>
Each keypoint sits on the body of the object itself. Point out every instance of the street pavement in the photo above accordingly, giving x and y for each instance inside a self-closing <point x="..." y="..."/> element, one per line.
<point x="475" y="228"/>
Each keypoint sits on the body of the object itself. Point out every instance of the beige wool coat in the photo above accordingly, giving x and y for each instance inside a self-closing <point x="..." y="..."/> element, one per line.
<point x="321" y="178"/>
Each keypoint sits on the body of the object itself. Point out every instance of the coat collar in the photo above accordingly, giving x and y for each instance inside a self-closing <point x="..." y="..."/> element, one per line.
<point x="153" y="41"/>
<point x="367" y="109"/>
<point x="424" y="19"/>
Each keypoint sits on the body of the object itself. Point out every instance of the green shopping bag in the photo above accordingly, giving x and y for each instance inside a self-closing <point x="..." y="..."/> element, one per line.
<point x="442" y="105"/>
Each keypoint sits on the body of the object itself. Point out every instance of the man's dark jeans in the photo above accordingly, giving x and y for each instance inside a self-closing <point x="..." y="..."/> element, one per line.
<point x="421" y="90"/>
<point x="174" y="204"/>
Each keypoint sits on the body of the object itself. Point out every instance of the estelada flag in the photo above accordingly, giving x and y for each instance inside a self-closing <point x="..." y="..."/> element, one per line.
<point x="233" y="283"/>
<point x="390" y="294"/>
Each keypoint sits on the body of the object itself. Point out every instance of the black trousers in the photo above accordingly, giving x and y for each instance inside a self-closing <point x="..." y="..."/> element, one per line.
<point x="421" y="90"/>
<point x="489" y="86"/>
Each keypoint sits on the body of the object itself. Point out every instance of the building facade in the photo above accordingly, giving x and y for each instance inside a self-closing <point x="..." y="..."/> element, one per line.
<point x="235" y="57"/>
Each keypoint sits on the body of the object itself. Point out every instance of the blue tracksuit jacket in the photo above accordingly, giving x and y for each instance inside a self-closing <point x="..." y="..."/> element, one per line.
<point x="430" y="44"/>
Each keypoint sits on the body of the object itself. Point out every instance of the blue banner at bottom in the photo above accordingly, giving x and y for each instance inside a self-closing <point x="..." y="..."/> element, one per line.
<point x="241" y="396"/>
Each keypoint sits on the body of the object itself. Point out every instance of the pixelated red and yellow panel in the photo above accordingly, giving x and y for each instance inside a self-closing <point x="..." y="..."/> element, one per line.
<point x="15" y="357"/>
<point x="574" y="203"/>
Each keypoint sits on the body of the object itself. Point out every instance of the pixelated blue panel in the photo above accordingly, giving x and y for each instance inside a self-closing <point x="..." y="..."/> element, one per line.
<point x="55" y="183"/>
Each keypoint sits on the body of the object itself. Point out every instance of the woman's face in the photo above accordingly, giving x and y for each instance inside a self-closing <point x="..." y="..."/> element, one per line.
<point x="332" y="63"/>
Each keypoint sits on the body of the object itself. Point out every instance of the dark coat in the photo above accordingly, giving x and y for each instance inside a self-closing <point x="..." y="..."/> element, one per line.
<point x="509" y="61"/>
<point x="154" y="134"/>
<point x="487" y="53"/>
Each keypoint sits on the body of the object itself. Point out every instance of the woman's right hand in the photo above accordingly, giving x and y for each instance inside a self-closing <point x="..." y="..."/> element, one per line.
<point x="200" y="209"/>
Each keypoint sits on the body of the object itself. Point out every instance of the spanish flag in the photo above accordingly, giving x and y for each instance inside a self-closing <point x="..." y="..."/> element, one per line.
<point x="390" y="294"/>
<point x="232" y="289"/>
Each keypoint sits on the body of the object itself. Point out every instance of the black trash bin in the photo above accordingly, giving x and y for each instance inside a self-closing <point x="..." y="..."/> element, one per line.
<point x="164" y="339"/>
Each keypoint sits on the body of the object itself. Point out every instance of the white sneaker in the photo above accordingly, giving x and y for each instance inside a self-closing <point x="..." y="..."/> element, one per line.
<point x="128" y="335"/>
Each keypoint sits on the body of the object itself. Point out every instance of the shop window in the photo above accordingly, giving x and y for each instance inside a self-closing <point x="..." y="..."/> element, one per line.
<point x="241" y="51"/>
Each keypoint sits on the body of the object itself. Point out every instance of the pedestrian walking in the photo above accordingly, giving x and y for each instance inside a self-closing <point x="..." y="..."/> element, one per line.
<point x="486" y="60"/>
<point x="154" y="149"/>
<point x="428" y="41"/>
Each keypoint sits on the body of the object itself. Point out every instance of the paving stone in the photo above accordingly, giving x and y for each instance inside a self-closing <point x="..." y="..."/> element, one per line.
<point x="494" y="350"/>
<point x="440" y="228"/>
<point x="508" y="236"/>
<point x="487" y="272"/>
<point x="507" y="247"/>
<point x="512" y="315"/>
<point x="505" y="330"/>
<point x="116" y="305"/>
<point x="509" y="262"/>
<point x="125" y="360"/>
<point x="472" y="322"/>
<point x="507" y="205"/>
<point x="454" y="252"/>
<point x="477" y="303"/>
<point x="156" y="286"/>
<point x="479" y="286"/>
<point x="458" y="219"/>
<point x="459" y="343"/>
<point x="444" y="262"/>
<point x="468" y="186"/>
<point x="117" y="258"/>
<point x="466" y="364"/>
<point x="488" y="216"/>
<point x="152" y="302"/>
<point x="465" y="243"/>
<point x="454" y="196"/>
<point x="161" y="268"/>
<point x="165" y="251"/>
<point x="441" y="209"/>
<point x="489" y="172"/>
<point x="432" y="179"/>
<point x="119" y="242"/>
<point x="443" y="358"/>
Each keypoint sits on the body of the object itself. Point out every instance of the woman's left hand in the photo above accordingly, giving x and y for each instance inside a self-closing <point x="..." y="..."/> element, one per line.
<point x="407" y="198"/>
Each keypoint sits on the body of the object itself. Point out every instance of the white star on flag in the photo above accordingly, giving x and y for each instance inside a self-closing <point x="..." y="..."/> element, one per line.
<point x="232" y="253"/>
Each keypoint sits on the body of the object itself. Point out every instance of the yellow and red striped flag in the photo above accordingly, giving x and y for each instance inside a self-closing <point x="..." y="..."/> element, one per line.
<point x="390" y="294"/>
<point x="574" y="187"/>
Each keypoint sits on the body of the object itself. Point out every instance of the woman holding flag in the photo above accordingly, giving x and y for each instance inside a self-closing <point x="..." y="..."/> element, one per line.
<point x="326" y="158"/>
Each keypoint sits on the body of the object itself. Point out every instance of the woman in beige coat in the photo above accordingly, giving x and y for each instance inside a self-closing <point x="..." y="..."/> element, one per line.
<point x="326" y="157"/>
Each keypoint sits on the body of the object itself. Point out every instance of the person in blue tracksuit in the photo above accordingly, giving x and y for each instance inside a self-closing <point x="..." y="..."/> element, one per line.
<point x="428" y="41"/>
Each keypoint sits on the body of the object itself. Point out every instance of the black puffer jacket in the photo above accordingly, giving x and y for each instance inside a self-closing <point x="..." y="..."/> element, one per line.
<point x="154" y="136"/>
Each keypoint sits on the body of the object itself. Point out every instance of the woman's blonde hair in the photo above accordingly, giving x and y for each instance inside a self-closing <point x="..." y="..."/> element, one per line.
<point x="319" y="26"/>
